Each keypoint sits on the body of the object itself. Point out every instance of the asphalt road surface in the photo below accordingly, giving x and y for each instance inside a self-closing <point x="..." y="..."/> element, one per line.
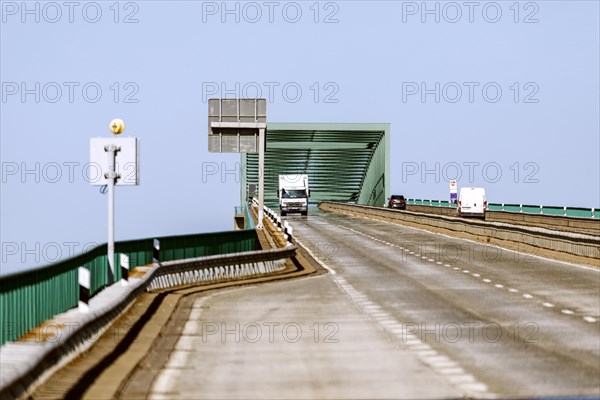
<point x="403" y="314"/>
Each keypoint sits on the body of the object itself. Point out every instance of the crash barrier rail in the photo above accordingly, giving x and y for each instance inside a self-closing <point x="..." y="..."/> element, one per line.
<point x="576" y="212"/>
<point x="245" y="211"/>
<point x="30" y="297"/>
<point x="526" y="218"/>
<point x="230" y="266"/>
<point x="25" y="364"/>
<point x="283" y="227"/>
<point x="564" y="245"/>
<point x="249" y="219"/>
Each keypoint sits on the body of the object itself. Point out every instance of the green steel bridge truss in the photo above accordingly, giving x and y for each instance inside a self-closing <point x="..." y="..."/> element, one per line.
<point x="344" y="162"/>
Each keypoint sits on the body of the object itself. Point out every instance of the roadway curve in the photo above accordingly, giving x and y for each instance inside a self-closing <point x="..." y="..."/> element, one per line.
<point x="415" y="315"/>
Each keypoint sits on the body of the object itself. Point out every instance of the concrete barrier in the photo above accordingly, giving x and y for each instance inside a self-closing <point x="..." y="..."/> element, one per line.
<point x="556" y="222"/>
<point x="565" y="246"/>
<point x="432" y="210"/>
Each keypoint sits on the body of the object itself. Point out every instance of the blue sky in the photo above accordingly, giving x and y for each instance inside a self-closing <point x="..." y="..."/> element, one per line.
<point x="504" y="93"/>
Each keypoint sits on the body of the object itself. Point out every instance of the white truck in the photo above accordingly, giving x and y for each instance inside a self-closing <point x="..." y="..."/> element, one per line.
<point x="472" y="202"/>
<point x="293" y="194"/>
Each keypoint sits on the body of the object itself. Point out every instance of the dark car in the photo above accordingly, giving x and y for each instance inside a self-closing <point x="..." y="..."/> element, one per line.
<point x="397" y="201"/>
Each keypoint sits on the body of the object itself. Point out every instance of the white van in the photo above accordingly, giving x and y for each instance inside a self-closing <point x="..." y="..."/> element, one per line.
<point x="472" y="202"/>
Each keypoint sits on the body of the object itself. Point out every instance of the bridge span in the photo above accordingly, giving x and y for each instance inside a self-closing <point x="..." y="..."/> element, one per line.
<point x="395" y="312"/>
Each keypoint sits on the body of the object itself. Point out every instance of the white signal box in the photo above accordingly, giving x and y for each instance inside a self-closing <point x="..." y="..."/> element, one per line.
<point x="127" y="161"/>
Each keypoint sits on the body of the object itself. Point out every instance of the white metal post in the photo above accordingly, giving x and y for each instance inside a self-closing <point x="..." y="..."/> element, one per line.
<point x="261" y="176"/>
<point x="111" y="175"/>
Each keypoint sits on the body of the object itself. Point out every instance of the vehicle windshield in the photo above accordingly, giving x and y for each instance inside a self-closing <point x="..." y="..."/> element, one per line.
<point x="293" y="194"/>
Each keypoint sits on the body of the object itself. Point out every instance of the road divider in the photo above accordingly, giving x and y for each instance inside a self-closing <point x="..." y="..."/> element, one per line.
<point x="557" y="222"/>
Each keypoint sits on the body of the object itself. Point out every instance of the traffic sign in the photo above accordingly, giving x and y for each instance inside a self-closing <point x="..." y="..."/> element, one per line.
<point x="234" y="125"/>
<point x="453" y="186"/>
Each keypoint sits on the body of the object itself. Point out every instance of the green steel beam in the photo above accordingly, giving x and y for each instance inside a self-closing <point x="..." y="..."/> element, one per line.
<point x="343" y="161"/>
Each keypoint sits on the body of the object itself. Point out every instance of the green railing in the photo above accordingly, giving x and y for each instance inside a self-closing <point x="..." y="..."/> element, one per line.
<point x="245" y="211"/>
<point x="31" y="297"/>
<point x="576" y="212"/>
<point x="434" y="203"/>
<point x="249" y="219"/>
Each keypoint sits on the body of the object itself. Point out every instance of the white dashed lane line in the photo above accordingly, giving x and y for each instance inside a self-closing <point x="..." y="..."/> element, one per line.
<point x="476" y="275"/>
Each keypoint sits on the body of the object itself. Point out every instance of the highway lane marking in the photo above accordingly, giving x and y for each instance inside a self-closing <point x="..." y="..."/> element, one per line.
<point x="179" y="357"/>
<point x="441" y="364"/>
<point x="388" y="322"/>
<point x="410" y="339"/>
<point x="321" y="263"/>
<point x="475" y="387"/>
<point x="455" y="375"/>
<point x="466" y="271"/>
<point x="452" y="371"/>
<point x="462" y="379"/>
<point x="190" y="328"/>
<point x="479" y="243"/>
<point x="380" y="314"/>
<point x="195" y="314"/>
<point x="512" y="290"/>
<point x="163" y="382"/>
<point x="420" y="347"/>
<point x="395" y="325"/>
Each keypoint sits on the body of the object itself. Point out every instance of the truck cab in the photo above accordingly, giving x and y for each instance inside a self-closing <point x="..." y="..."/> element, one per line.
<point x="293" y="194"/>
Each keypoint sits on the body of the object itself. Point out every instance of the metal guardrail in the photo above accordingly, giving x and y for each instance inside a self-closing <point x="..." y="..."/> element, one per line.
<point x="285" y="228"/>
<point x="229" y="266"/>
<point x="577" y="212"/>
<point x="433" y="203"/>
<point x="20" y="373"/>
<point x="31" y="297"/>
<point x="249" y="219"/>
